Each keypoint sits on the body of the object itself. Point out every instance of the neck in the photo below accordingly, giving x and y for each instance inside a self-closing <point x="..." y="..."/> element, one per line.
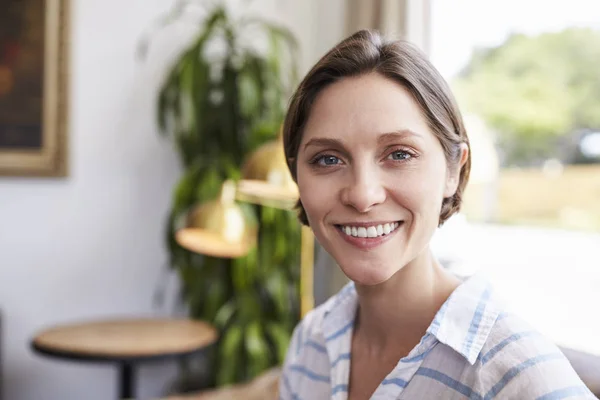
<point x="401" y="309"/>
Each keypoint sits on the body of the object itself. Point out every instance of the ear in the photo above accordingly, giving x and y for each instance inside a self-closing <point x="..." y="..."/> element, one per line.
<point x="453" y="177"/>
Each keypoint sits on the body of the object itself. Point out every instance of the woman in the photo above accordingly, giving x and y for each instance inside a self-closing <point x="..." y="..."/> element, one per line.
<point x="377" y="146"/>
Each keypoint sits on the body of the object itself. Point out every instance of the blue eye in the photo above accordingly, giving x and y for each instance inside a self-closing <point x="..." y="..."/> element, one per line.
<point x="328" y="160"/>
<point x="400" y="155"/>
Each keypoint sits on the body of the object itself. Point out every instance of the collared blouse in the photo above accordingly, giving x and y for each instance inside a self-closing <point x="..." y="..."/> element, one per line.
<point x="471" y="350"/>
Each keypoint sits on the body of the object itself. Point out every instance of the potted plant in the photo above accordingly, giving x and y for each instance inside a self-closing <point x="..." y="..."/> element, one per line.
<point x="225" y="95"/>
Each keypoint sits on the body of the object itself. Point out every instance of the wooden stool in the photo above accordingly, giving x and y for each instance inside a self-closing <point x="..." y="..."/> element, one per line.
<point x="125" y="343"/>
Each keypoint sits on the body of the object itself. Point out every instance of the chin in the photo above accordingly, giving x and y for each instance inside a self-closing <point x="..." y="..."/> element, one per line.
<point x="367" y="274"/>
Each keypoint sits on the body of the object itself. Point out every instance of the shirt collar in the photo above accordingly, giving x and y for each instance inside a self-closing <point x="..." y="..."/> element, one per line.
<point x="466" y="319"/>
<point x="463" y="322"/>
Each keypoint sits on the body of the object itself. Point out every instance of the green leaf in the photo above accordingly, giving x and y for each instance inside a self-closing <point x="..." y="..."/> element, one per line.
<point x="258" y="349"/>
<point x="215" y="295"/>
<point x="184" y="193"/>
<point x="225" y="313"/>
<point x="280" y="335"/>
<point x="277" y="286"/>
<point x="230" y="353"/>
<point x="252" y="86"/>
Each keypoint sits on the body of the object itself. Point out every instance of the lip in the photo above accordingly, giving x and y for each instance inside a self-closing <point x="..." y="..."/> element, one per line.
<point x="366" y="224"/>
<point x="367" y="243"/>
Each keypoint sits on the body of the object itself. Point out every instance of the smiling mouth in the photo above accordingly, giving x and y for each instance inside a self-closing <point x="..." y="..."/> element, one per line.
<point x="369" y="232"/>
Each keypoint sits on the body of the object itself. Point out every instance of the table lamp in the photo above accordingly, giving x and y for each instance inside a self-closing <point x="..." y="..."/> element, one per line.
<point x="220" y="227"/>
<point x="266" y="179"/>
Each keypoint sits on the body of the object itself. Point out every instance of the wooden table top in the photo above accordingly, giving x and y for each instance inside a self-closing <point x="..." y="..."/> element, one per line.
<point x="123" y="339"/>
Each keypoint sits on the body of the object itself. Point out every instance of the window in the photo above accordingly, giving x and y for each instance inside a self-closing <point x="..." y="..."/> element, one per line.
<point x="527" y="79"/>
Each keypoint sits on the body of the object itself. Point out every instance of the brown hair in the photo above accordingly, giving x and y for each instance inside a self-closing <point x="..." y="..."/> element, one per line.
<point x="365" y="52"/>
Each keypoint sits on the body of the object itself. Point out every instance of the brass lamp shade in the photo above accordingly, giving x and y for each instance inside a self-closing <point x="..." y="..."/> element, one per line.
<point x="218" y="228"/>
<point x="266" y="179"/>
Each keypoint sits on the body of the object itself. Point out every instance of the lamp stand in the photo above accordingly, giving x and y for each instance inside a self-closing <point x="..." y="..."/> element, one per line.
<point x="307" y="257"/>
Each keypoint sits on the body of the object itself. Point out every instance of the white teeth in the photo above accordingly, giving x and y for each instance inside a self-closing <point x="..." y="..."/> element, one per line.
<point x="387" y="228"/>
<point x="370" y="231"/>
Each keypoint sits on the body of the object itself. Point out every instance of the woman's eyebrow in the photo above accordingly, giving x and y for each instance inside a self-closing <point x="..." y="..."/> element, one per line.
<point x="396" y="135"/>
<point x="324" y="142"/>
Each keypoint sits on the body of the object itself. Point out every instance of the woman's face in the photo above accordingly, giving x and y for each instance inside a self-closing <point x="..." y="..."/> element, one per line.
<point x="372" y="177"/>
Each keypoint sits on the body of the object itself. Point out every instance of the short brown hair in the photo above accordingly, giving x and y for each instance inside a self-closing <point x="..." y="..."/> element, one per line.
<point x="366" y="52"/>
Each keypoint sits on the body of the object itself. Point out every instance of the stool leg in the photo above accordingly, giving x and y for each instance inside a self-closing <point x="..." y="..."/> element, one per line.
<point x="126" y="381"/>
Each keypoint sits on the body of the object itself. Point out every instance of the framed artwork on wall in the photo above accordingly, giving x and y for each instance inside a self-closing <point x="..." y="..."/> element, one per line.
<point x="33" y="87"/>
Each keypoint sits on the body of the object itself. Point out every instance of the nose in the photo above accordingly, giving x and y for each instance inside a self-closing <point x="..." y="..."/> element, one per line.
<point x="363" y="191"/>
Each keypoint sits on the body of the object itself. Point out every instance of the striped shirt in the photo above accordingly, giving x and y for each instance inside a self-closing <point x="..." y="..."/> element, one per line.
<point x="471" y="350"/>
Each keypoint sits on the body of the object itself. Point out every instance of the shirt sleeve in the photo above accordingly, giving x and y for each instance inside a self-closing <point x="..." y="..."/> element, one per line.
<point x="540" y="372"/>
<point x="546" y="377"/>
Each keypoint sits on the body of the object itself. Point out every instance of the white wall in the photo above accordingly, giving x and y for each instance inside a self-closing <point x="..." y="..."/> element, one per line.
<point x="91" y="245"/>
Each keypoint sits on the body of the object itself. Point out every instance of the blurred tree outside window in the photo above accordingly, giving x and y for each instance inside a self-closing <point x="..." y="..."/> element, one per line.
<point x="527" y="78"/>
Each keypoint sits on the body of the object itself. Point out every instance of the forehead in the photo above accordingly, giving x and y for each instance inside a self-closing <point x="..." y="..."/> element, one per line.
<point x="360" y="108"/>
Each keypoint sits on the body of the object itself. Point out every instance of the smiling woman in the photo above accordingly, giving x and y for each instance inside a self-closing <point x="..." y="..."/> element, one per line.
<point x="377" y="146"/>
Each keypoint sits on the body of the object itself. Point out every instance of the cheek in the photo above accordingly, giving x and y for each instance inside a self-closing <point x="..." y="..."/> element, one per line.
<point x="314" y="193"/>
<point x="420" y="192"/>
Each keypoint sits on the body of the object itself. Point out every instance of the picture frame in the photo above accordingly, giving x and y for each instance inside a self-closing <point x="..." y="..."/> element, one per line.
<point x="34" y="77"/>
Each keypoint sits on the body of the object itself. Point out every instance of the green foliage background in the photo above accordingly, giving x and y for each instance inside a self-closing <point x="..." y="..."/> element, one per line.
<point x="217" y="107"/>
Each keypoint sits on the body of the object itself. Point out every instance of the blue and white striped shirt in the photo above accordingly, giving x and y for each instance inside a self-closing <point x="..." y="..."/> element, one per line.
<point x="472" y="350"/>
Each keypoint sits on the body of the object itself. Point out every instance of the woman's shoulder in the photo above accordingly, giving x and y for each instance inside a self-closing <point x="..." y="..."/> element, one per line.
<point x="513" y="339"/>
<point x="307" y="354"/>
<point x="312" y="323"/>
<point x="518" y="358"/>
<point x="311" y="328"/>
